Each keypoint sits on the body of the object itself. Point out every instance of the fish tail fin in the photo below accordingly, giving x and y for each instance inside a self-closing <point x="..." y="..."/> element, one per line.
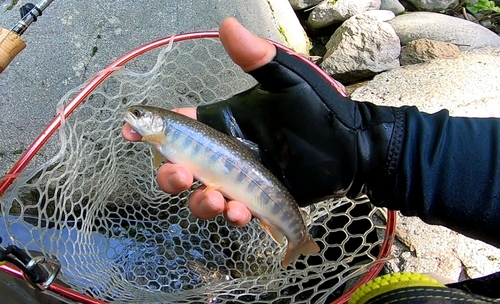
<point x="306" y="246"/>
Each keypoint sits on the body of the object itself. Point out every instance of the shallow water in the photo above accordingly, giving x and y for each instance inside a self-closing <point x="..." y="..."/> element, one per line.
<point x="135" y="252"/>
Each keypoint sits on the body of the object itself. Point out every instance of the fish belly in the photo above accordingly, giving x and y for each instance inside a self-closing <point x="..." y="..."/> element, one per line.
<point x="237" y="177"/>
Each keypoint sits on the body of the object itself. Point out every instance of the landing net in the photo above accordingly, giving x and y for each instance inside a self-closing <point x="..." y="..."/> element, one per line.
<point x="90" y="200"/>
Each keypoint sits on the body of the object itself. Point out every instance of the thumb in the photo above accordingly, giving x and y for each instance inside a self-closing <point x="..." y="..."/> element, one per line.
<point x="258" y="57"/>
<point x="245" y="49"/>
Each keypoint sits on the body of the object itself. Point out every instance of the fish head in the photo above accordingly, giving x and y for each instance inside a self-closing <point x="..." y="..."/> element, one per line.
<point x="145" y="120"/>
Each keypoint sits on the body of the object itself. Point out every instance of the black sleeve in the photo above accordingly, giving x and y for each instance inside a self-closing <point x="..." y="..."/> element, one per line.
<point x="449" y="173"/>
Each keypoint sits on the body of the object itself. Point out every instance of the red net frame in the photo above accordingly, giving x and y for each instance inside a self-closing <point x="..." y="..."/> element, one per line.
<point x="52" y="127"/>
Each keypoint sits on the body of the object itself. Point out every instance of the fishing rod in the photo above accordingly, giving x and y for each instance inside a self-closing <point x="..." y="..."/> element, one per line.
<point x="11" y="42"/>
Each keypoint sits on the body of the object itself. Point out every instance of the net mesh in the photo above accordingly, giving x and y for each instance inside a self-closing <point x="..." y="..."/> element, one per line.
<point x="96" y="207"/>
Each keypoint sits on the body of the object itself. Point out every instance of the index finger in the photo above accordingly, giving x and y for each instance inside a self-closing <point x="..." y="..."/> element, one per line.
<point x="129" y="134"/>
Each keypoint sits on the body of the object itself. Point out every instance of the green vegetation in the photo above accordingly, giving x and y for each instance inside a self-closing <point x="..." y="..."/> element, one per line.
<point x="485" y="12"/>
<point x="482" y="6"/>
<point x="281" y="30"/>
<point x="11" y="5"/>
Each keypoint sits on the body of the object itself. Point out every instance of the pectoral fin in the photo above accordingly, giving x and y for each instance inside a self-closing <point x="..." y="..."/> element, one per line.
<point x="157" y="158"/>
<point x="252" y="147"/>
<point x="156" y="139"/>
<point x="304" y="214"/>
<point x="273" y="231"/>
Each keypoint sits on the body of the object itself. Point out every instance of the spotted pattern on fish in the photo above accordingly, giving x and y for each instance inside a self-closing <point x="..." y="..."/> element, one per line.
<point x="217" y="159"/>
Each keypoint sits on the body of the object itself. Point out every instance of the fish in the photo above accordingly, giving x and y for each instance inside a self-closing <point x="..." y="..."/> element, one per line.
<point x="222" y="163"/>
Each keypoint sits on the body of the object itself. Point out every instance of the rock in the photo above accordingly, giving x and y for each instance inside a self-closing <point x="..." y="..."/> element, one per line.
<point x="422" y="50"/>
<point x="393" y="6"/>
<point x="303" y="4"/>
<point x="288" y="26"/>
<point x="436" y="249"/>
<point x="380" y="15"/>
<point x="361" y="47"/>
<point x="467" y="86"/>
<point x="329" y="12"/>
<point x="434" y="5"/>
<point x="487" y="50"/>
<point x="465" y="34"/>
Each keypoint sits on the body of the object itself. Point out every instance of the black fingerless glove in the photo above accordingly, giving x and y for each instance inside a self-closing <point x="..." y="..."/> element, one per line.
<point x="316" y="141"/>
<point x="446" y="170"/>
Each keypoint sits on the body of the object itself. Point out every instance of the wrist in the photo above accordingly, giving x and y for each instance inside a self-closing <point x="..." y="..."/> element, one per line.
<point x="379" y="146"/>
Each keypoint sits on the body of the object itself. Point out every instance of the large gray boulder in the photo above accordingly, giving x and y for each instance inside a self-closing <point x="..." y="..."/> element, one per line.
<point x="392" y="5"/>
<point x="465" y="34"/>
<point x="434" y="5"/>
<point x="468" y="85"/>
<point x="330" y="12"/>
<point x="361" y="47"/>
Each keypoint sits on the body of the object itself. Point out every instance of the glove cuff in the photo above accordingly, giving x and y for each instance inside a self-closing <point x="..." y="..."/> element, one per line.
<point x="384" y="147"/>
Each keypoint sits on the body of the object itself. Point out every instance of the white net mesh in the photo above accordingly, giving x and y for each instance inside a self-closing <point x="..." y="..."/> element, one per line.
<point x="96" y="206"/>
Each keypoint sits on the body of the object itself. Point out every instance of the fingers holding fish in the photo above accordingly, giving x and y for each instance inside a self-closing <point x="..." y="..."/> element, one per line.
<point x="237" y="214"/>
<point x="173" y="178"/>
<point x="207" y="204"/>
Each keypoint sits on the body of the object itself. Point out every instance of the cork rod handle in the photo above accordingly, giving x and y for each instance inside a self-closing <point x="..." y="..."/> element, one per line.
<point x="11" y="44"/>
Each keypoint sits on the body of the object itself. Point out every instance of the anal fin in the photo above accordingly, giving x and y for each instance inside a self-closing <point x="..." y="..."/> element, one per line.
<point x="306" y="247"/>
<point x="211" y="187"/>
<point x="277" y="235"/>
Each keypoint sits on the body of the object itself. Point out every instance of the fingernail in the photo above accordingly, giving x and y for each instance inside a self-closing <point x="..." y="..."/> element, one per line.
<point x="133" y="131"/>
<point x="206" y="206"/>
<point x="231" y="216"/>
<point x="176" y="180"/>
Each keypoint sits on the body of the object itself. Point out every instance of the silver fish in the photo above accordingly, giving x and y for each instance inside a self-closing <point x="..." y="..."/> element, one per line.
<point x="221" y="163"/>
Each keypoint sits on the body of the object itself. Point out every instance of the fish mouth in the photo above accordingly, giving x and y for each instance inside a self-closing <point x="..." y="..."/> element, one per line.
<point x="129" y="118"/>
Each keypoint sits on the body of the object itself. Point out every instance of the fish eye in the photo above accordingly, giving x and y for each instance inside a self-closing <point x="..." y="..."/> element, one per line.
<point x="137" y="112"/>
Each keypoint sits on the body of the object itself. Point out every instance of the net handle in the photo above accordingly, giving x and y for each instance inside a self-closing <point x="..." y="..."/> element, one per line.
<point x="54" y="287"/>
<point x="50" y="129"/>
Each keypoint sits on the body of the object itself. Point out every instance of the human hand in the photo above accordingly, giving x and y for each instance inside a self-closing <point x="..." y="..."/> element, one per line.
<point x="316" y="141"/>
